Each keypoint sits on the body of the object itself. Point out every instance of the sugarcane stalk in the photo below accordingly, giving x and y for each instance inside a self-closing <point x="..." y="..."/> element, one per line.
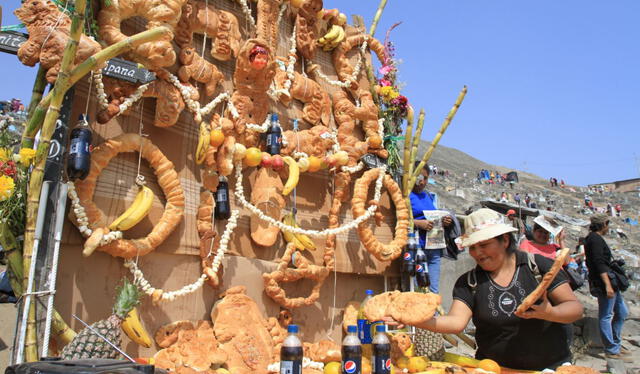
<point x="376" y="18"/>
<point x="37" y="175"/>
<point x="38" y="89"/>
<point x="407" y="152"/>
<point x="416" y="140"/>
<point x="36" y="120"/>
<point x="436" y="139"/>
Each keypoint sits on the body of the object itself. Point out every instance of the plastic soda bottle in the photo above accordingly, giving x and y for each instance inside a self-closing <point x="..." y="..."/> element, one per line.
<point x="408" y="262"/>
<point x="291" y="352"/>
<point x="381" y="359"/>
<point x="79" y="160"/>
<point x="223" y="207"/>
<point x="351" y="352"/>
<point x="422" y="269"/>
<point x="274" y="136"/>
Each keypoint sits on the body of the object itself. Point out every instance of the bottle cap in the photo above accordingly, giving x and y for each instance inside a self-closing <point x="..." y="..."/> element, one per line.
<point x="292" y="329"/>
<point x="369" y="292"/>
<point x="274" y="117"/>
<point x="381" y="328"/>
<point x="411" y="235"/>
<point x="352" y="329"/>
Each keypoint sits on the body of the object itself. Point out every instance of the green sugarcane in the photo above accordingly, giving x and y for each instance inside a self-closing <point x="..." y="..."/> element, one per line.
<point x="407" y="152"/>
<point x="416" y="141"/>
<point x="39" y="86"/>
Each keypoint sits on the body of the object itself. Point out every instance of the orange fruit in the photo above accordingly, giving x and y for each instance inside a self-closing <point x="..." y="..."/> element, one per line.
<point x="489" y="365"/>
<point x="333" y="367"/>
<point x="375" y="141"/>
<point x="417" y="364"/>
<point x="314" y="164"/>
<point x="216" y="138"/>
<point x="253" y="157"/>
<point x="366" y="366"/>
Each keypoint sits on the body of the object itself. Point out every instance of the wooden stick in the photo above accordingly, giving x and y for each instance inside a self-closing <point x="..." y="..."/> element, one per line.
<point x="436" y="139"/>
<point x="35" y="121"/>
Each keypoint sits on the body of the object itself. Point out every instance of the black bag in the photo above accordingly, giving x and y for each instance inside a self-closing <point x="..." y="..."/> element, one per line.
<point x="618" y="276"/>
<point x="575" y="278"/>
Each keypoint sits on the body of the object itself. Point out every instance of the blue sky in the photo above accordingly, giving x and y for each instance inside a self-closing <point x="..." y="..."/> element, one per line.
<point x="552" y="84"/>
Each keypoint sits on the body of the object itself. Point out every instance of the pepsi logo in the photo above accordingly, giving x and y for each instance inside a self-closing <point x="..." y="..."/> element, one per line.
<point x="387" y="364"/>
<point x="350" y="367"/>
<point x="419" y="269"/>
<point x="407" y="256"/>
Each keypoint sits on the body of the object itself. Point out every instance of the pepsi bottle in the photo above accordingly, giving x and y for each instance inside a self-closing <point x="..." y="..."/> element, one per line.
<point x="291" y="352"/>
<point x="381" y="359"/>
<point x="223" y="207"/>
<point x="422" y="269"/>
<point x="408" y="263"/>
<point x="79" y="161"/>
<point x="351" y="352"/>
<point x="274" y="136"/>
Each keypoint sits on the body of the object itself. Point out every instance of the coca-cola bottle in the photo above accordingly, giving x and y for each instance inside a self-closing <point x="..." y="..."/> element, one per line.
<point x="291" y="352"/>
<point x="422" y="269"/>
<point x="79" y="160"/>
<point x="223" y="207"/>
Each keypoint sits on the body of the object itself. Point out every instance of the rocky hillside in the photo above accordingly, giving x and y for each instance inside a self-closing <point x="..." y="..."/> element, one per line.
<point x="459" y="193"/>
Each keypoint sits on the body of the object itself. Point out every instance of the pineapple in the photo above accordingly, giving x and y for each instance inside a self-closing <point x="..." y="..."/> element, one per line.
<point x="429" y="344"/>
<point x="89" y="345"/>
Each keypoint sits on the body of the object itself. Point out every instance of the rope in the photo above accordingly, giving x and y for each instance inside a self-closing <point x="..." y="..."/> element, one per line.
<point x="86" y="108"/>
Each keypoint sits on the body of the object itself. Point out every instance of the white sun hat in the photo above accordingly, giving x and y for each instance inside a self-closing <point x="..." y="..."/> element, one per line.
<point x="484" y="224"/>
<point x="548" y="224"/>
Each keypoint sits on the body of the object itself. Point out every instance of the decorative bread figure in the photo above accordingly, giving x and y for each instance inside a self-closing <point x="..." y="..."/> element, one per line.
<point x="219" y="25"/>
<point x="266" y="27"/>
<point x="197" y="68"/>
<point x="153" y="55"/>
<point x="306" y="30"/>
<point x="317" y="104"/>
<point x="48" y="35"/>
<point x="266" y="194"/>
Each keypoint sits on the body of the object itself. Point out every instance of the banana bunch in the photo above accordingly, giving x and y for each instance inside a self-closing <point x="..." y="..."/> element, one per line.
<point x="332" y="38"/>
<point x="301" y="241"/>
<point x="136" y="212"/>
<point x="294" y="175"/>
<point x="204" y="137"/>
<point x="460" y="360"/>
<point x="132" y="326"/>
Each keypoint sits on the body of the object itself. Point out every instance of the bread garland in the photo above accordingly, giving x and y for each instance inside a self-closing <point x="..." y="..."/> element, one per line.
<point x="96" y="221"/>
<point x="544" y="284"/>
<point x="303" y="269"/>
<point x="383" y="252"/>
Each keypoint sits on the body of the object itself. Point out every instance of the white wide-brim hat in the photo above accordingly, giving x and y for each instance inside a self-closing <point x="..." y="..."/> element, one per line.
<point x="548" y="224"/>
<point x="484" y="224"/>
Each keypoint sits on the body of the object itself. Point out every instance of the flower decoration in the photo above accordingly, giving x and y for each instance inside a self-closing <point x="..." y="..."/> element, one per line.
<point x="5" y="154"/>
<point x="7" y="186"/>
<point x="27" y="155"/>
<point x="8" y="168"/>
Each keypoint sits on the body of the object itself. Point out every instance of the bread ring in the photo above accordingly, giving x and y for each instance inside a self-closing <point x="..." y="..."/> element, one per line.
<point x="167" y="179"/>
<point x="341" y="62"/>
<point x="383" y="252"/>
<point x="303" y="269"/>
<point x="544" y="284"/>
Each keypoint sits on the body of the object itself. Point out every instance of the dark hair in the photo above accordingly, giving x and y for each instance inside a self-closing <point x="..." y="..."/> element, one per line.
<point x="593" y="227"/>
<point x="425" y="167"/>
<point x="512" y="242"/>
<point x="538" y="227"/>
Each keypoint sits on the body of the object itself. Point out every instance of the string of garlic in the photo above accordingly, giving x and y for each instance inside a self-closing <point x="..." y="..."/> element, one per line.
<point x="350" y="79"/>
<point x="126" y="104"/>
<point x="83" y="221"/>
<point x="247" y="12"/>
<point x="306" y="363"/>
<point x="146" y="287"/>
<point x="239" y="192"/>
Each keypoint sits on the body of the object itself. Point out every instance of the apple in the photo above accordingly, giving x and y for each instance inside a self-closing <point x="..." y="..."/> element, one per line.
<point x="277" y="162"/>
<point x="266" y="161"/>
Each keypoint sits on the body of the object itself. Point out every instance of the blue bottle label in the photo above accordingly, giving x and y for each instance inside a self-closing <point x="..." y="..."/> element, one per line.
<point x="364" y="331"/>
<point x="291" y="367"/>
<point x="78" y="146"/>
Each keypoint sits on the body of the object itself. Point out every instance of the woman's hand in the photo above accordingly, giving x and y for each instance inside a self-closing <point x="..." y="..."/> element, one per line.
<point x="391" y="322"/>
<point x="544" y="310"/>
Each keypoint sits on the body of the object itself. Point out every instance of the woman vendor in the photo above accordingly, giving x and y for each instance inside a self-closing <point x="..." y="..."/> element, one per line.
<point x="491" y="292"/>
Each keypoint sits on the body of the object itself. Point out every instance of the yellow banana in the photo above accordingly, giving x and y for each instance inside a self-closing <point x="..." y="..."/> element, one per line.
<point x="306" y="242"/>
<point x="136" y="212"/>
<point x="409" y="351"/>
<point x="460" y="360"/>
<point x="294" y="175"/>
<point x="132" y="326"/>
<point x="338" y="39"/>
<point x="440" y="364"/>
<point x="333" y="32"/>
<point x="301" y="241"/>
<point x="289" y="221"/>
<point x="204" y="138"/>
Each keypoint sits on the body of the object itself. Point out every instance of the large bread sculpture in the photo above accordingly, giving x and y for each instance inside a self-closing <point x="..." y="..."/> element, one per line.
<point x="48" y="35"/>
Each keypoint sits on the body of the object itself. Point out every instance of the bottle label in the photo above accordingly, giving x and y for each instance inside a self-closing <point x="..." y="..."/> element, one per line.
<point x="351" y="367"/>
<point x="78" y="147"/>
<point x="291" y="367"/>
<point x="221" y="194"/>
<point x="364" y="331"/>
<point x="372" y="329"/>
<point x="380" y="364"/>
